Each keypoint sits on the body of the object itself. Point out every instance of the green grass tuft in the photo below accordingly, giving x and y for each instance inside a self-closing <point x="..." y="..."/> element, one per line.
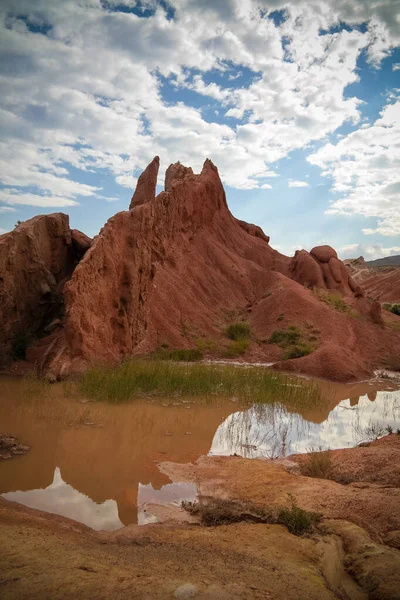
<point x="235" y="349"/>
<point x="238" y="331"/>
<point x="317" y="464"/>
<point x="287" y="337"/>
<point x="291" y="340"/>
<point x="163" y="378"/>
<point x="298" y="350"/>
<point x="297" y="520"/>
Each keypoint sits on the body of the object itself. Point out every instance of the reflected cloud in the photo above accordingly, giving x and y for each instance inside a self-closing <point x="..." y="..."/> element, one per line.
<point x="272" y="431"/>
<point x="62" y="499"/>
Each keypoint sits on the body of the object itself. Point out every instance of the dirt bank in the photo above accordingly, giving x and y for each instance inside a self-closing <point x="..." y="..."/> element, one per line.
<point x="346" y="557"/>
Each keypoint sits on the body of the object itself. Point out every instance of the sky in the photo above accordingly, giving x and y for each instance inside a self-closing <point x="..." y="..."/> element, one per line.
<point x="296" y="102"/>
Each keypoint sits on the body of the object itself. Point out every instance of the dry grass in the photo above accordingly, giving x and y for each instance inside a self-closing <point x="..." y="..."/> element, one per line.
<point x="213" y="512"/>
<point x="317" y="464"/>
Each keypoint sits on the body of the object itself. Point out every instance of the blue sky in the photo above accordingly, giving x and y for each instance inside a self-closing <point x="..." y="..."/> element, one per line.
<point x="297" y="103"/>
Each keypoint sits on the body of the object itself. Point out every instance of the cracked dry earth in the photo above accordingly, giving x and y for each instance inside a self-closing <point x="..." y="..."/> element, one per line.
<point x="352" y="555"/>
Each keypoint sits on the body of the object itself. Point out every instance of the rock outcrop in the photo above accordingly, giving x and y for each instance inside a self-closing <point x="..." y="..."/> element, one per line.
<point x="146" y="185"/>
<point x="379" y="282"/>
<point x="321" y="268"/>
<point x="36" y="259"/>
<point x="174" y="270"/>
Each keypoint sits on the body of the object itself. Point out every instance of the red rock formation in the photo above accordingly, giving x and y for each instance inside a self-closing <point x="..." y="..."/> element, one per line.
<point x="321" y="269"/>
<point x="146" y="185"/>
<point x="175" y="267"/>
<point x="323" y="253"/>
<point x="35" y="261"/>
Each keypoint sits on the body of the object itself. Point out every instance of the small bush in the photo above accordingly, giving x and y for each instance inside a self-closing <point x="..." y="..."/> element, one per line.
<point x="393" y="308"/>
<point x="317" y="464"/>
<point x="213" y="512"/>
<point x="297" y="351"/>
<point x="19" y="346"/>
<point x="236" y="349"/>
<point x="334" y="299"/>
<point x="238" y="331"/>
<point x="205" y="345"/>
<point x="285" y="338"/>
<point x="182" y="354"/>
<point x="297" y="520"/>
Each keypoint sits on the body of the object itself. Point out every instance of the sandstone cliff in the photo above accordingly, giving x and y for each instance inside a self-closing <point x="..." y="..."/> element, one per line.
<point x="176" y="268"/>
<point x="36" y="259"/>
<point x="174" y="271"/>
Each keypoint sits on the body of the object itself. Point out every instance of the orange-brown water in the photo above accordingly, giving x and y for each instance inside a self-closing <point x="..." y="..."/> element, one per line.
<point x="97" y="463"/>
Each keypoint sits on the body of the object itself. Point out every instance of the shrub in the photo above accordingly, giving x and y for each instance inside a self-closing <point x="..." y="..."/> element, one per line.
<point x="297" y="520"/>
<point x="205" y="345"/>
<point x="236" y="349"/>
<point x="317" y="464"/>
<point x="393" y="308"/>
<point x="285" y="338"/>
<point x="297" y="351"/>
<point x="19" y="346"/>
<point x="334" y="299"/>
<point x="238" y="331"/>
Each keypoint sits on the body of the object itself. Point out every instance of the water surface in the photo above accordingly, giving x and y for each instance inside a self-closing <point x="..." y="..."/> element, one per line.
<point x="97" y="463"/>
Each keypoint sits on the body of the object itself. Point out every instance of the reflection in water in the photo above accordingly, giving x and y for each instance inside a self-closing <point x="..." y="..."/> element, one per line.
<point x="108" y="454"/>
<point x="172" y="493"/>
<point x="272" y="431"/>
<point x="62" y="499"/>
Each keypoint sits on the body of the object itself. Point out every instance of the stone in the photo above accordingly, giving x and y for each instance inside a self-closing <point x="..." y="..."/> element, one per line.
<point x="335" y="268"/>
<point x="306" y="270"/>
<point x="146" y="185"/>
<point x="187" y="590"/>
<point x="323" y="253"/>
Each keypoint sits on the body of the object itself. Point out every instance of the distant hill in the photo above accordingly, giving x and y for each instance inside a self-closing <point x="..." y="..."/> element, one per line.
<point x="388" y="261"/>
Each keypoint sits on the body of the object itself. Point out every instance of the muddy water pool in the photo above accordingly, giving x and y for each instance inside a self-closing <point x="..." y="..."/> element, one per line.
<point x="97" y="463"/>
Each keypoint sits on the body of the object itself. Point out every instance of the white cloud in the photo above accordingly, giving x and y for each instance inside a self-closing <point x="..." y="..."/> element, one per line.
<point x="7" y="209"/>
<point x="297" y="184"/>
<point x="396" y="66"/>
<point x="266" y="186"/>
<point x="365" y="167"/>
<point x="89" y="94"/>
<point x="368" y="251"/>
<point x="15" y="196"/>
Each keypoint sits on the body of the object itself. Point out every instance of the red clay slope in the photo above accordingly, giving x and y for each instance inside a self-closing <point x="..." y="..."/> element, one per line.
<point x="381" y="283"/>
<point x="177" y="268"/>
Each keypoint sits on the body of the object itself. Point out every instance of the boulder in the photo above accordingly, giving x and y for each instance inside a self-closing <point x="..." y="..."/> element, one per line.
<point x="335" y="269"/>
<point x="306" y="270"/>
<point x="323" y="253"/>
<point x="146" y="185"/>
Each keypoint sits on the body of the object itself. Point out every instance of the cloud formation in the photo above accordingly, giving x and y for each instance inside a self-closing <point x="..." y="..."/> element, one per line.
<point x="102" y="86"/>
